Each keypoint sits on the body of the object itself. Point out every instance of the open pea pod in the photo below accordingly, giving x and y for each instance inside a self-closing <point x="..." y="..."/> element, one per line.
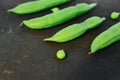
<point x="106" y="38"/>
<point x="59" y="17"/>
<point x="35" y="6"/>
<point x="73" y="31"/>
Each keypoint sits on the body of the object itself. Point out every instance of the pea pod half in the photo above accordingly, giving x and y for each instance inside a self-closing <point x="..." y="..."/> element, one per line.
<point x="59" y="17"/>
<point x="76" y="30"/>
<point x="106" y="38"/>
<point x="35" y="6"/>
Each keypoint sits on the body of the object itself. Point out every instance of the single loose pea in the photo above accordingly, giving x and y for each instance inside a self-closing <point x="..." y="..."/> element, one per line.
<point x="35" y="6"/>
<point x="55" y="9"/>
<point x="115" y="15"/>
<point x="59" y="17"/>
<point x="73" y="31"/>
<point x="106" y="38"/>
<point x="61" y="54"/>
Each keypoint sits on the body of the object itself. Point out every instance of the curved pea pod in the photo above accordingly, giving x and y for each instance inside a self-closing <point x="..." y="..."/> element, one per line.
<point x="59" y="17"/>
<point x="35" y="6"/>
<point x="106" y="38"/>
<point x="75" y="30"/>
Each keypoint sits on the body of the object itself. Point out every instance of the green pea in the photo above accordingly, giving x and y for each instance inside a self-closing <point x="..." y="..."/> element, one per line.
<point x="115" y="15"/>
<point x="55" y="9"/>
<point x="61" y="54"/>
<point x="59" y="17"/>
<point x="35" y="6"/>
<point x="75" y="30"/>
<point x="106" y="38"/>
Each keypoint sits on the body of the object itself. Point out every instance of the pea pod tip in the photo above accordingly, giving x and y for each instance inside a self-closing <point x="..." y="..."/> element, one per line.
<point x="9" y="10"/>
<point x="90" y="53"/>
<point x="47" y="39"/>
<point x="25" y="23"/>
<point x="92" y="5"/>
<point x="51" y="39"/>
<point x="103" y="18"/>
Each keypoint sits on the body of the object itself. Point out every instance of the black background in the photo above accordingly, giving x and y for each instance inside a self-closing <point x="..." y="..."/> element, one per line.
<point x="24" y="55"/>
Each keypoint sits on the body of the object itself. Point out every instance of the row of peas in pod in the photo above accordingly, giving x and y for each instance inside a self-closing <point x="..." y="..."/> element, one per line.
<point x="61" y="16"/>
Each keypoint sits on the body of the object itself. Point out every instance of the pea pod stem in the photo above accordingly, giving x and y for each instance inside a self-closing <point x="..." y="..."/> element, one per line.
<point x="73" y="31"/>
<point x="59" y="17"/>
<point x="106" y="38"/>
<point x="35" y="6"/>
<point x="21" y="24"/>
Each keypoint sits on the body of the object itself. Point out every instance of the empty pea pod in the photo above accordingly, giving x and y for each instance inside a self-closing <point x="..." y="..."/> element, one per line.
<point x="35" y="6"/>
<point x="59" y="17"/>
<point x="75" y="30"/>
<point x="106" y="38"/>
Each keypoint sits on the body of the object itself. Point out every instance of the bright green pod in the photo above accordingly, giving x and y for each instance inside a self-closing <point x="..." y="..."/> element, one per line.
<point x="59" y="17"/>
<point x="106" y="38"/>
<point x="35" y="6"/>
<point x="75" y="30"/>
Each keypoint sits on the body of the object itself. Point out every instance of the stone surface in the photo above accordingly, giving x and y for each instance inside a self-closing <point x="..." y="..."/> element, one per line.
<point x="24" y="55"/>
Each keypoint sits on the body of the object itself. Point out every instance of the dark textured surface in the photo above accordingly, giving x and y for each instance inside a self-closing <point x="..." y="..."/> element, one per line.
<point x="24" y="55"/>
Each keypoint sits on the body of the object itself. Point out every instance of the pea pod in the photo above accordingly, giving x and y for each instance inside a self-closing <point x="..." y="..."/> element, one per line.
<point x="59" y="17"/>
<point x="35" y="6"/>
<point x="75" y="30"/>
<point x="106" y="38"/>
